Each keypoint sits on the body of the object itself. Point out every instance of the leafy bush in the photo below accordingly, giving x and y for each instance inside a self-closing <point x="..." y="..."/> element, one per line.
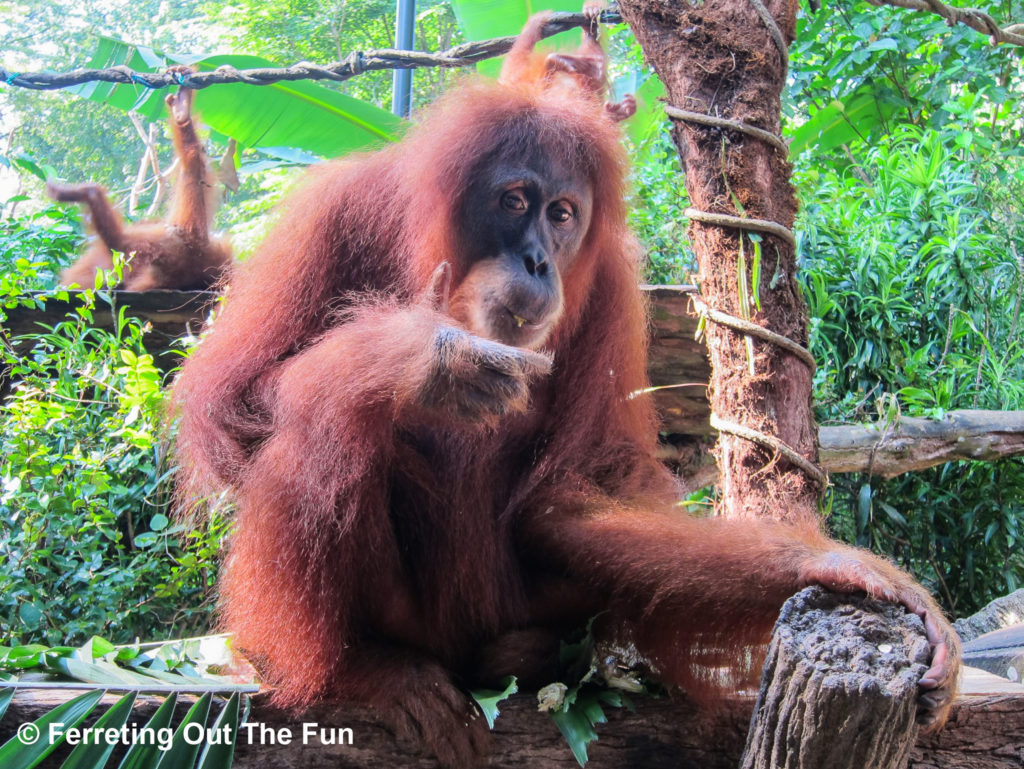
<point x="85" y="535"/>
<point x="656" y="211"/>
<point x="35" y="248"/>
<point x="915" y="289"/>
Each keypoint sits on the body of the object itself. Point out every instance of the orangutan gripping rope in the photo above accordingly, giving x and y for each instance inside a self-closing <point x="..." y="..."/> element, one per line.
<point x="178" y="253"/>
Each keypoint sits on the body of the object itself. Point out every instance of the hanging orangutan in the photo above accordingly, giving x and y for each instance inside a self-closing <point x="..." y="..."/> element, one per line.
<point x="178" y="253"/>
<point x="425" y="394"/>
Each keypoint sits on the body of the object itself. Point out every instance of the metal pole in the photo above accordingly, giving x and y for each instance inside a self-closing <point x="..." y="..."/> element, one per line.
<point x="401" y="101"/>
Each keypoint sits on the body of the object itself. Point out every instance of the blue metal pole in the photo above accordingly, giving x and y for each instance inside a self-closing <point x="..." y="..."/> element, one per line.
<point x="401" y="101"/>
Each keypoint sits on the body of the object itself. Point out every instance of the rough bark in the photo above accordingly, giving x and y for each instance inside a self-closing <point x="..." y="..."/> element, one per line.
<point x="986" y="731"/>
<point x="839" y="687"/>
<point x="720" y="59"/>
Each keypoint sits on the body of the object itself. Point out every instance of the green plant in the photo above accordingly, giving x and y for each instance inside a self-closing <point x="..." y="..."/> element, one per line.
<point x="34" y="249"/>
<point x="172" y="668"/>
<point x="914" y="288"/>
<point x="85" y="533"/>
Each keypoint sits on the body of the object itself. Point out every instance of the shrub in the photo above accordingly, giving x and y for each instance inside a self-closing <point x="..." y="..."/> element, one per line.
<point x="85" y="533"/>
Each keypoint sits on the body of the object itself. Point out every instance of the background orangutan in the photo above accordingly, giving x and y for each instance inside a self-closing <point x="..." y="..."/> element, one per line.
<point x="423" y="391"/>
<point x="178" y="253"/>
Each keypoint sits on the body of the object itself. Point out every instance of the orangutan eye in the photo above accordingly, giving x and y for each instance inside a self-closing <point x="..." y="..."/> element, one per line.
<point x="513" y="201"/>
<point x="560" y="212"/>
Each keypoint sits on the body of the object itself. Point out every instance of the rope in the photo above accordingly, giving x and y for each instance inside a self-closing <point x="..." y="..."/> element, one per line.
<point x="746" y="327"/>
<point x="776" y="34"/>
<point x="742" y="223"/>
<point x="734" y="125"/>
<point x="771" y="442"/>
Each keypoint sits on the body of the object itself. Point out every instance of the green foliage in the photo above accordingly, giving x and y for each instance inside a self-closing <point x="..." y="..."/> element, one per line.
<point x="24" y="755"/>
<point x="181" y="749"/>
<point x="184" y="663"/>
<point x="912" y="269"/>
<point x="312" y="30"/>
<point x="656" y="213"/>
<point x="179" y="666"/>
<point x="35" y="248"/>
<point x="912" y="65"/>
<point x="578" y="707"/>
<point x="85" y="535"/>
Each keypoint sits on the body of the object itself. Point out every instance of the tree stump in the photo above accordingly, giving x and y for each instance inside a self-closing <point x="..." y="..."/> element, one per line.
<point x="839" y="686"/>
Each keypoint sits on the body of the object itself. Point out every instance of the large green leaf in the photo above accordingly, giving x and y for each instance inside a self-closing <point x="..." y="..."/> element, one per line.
<point x="94" y="755"/>
<point x="842" y="121"/>
<point x="484" y="19"/>
<point x="182" y="753"/>
<point x="287" y="114"/>
<point x="6" y="695"/>
<point x="16" y="754"/>
<point x="147" y="754"/>
<point x="219" y="752"/>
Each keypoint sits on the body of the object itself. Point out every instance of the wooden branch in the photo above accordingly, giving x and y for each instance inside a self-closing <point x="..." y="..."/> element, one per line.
<point x="972" y="17"/>
<point x="986" y="731"/>
<point x="915" y="444"/>
<point x="839" y="686"/>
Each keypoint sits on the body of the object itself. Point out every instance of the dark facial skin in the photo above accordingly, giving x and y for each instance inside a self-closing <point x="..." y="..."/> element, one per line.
<point x="525" y="221"/>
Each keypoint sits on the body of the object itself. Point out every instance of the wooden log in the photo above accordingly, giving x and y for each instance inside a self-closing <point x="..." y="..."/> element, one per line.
<point x="1000" y="652"/>
<point x="887" y="451"/>
<point x="839" y="686"/>
<point x="985" y="731"/>
<point x="1002" y="612"/>
<point x="915" y="444"/>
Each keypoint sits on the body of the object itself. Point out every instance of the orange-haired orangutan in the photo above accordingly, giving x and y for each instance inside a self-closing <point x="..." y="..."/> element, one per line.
<point x="178" y="253"/>
<point x="425" y="394"/>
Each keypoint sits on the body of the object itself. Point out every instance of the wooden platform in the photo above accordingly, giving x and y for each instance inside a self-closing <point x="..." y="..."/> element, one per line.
<point x="986" y="731"/>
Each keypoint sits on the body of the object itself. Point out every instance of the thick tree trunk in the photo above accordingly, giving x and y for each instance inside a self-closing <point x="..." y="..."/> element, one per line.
<point x="720" y="59"/>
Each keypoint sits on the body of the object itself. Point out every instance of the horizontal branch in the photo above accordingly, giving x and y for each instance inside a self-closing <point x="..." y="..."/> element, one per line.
<point x="1012" y="34"/>
<point x="886" y="451"/>
<point x="354" y="64"/>
<point x="915" y="444"/>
